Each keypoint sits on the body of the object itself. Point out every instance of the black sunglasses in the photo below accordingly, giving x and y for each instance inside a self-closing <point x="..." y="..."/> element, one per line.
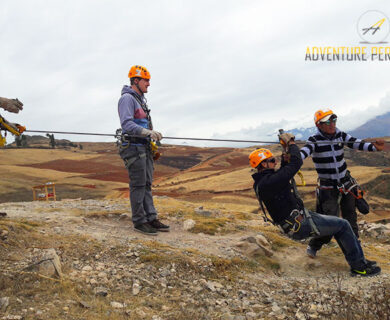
<point x="272" y="160"/>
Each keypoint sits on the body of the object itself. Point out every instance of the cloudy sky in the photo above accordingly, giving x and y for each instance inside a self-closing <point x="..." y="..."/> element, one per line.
<point x="233" y="69"/>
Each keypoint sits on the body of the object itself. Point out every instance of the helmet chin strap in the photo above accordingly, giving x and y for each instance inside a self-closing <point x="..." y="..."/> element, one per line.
<point x="139" y="89"/>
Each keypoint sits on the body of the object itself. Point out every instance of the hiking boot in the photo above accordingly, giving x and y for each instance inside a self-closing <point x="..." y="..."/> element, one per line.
<point x="146" y="228"/>
<point x="311" y="252"/>
<point x="370" y="263"/>
<point x="368" y="271"/>
<point x="156" y="224"/>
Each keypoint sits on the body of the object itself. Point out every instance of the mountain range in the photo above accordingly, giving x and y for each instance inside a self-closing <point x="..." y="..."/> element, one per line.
<point x="376" y="127"/>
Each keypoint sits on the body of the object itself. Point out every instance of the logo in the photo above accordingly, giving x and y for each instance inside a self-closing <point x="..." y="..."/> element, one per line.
<point x="262" y="156"/>
<point x="373" y="27"/>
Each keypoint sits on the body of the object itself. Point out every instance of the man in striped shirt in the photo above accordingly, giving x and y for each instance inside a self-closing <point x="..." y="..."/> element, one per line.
<point x="327" y="150"/>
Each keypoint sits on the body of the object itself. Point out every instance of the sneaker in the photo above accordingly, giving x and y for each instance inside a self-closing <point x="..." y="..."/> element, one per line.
<point x="370" y="263"/>
<point x="156" y="224"/>
<point x="368" y="271"/>
<point x="311" y="252"/>
<point x="146" y="228"/>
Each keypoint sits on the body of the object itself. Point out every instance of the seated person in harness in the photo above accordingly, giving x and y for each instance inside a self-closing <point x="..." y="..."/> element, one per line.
<point x="274" y="189"/>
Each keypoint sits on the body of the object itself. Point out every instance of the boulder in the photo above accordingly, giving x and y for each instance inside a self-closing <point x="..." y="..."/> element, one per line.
<point x="188" y="224"/>
<point x="258" y="245"/>
<point x="48" y="265"/>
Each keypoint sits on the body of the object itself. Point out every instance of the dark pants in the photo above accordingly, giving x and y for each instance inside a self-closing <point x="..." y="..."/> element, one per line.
<point x="328" y="204"/>
<point x="329" y="227"/>
<point x="139" y="163"/>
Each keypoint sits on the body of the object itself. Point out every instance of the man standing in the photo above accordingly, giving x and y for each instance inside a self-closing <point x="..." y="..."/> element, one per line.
<point x="135" y="150"/>
<point x="327" y="150"/>
<point x="273" y="188"/>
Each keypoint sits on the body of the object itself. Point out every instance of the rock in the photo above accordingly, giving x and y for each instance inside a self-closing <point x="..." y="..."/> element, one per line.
<point x="253" y="249"/>
<point x="4" y="302"/>
<point x="202" y="212"/>
<point x="50" y="265"/>
<point x="117" y="305"/>
<point x="3" y="234"/>
<point x="261" y="242"/>
<point x="124" y="216"/>
<point x="3" y="214"/>
<point x="188" y="224"/>
<point x="12" y="317"/>
<point x="227" y="316"/>
<point x="136" y="288"/>
<point x="101" y="291"/>
<point x="87" y="268"/>
<point x="300" y="315"/>
<point x="251" y="316"/>
<point x="142" y="314"/>
<point x="85" y="305"/>
<point x="276" y="309"/>
<point x="210" y="286"/>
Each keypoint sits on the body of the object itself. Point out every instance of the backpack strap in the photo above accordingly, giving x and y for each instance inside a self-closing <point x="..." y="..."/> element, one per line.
<point x="265" y="216"/>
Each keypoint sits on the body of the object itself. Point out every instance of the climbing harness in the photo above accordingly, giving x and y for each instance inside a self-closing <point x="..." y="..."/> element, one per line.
<point x="144" y="106"/>
<point x="291" y="224"/>
<point x="347" y="185"/>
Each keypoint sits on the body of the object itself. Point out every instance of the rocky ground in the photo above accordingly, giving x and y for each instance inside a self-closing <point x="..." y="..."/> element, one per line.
<point x="82" y="260"/>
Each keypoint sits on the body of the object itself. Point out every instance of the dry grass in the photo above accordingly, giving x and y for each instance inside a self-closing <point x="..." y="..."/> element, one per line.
<point x="191" y="260"/>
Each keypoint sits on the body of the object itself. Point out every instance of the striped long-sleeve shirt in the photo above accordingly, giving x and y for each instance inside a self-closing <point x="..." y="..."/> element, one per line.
<point x="328" y="158"/>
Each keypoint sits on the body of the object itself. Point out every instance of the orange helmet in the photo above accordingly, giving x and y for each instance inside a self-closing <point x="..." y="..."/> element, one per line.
<point x="257" y="156"/>
<point x="321" y="114"/>
<point x="139" y="72"/>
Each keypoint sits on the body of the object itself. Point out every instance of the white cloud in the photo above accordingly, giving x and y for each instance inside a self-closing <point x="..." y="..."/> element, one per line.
<point x="217" y="66"/>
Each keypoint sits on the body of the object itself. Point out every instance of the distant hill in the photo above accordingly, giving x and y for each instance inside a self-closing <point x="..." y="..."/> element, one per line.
<point x="43" y="141"/>
<point x="377" y="127"/>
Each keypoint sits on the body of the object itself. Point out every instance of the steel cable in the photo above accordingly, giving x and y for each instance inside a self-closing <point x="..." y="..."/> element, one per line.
<point x="180" y="138"/>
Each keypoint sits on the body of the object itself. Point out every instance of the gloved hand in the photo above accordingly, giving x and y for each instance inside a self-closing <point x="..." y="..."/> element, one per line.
<point x="13" y="126"/>
<point x="286" y="138"/>
<point x="379" y="144"/>
<point x="11" y="105"/>
<point x="155" y="135"/>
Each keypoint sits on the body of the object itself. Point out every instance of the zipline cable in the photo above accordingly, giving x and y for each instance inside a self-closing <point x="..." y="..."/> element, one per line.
<point x="135" y="136"/>
<point x="181" y="138"/>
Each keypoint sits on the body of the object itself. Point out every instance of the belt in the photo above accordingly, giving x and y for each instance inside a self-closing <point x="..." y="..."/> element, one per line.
<point x="332" y="183"/>
<point x="136" y="140"/>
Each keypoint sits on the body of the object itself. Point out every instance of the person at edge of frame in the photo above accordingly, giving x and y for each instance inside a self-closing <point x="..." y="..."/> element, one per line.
<point x="333" y="176"/>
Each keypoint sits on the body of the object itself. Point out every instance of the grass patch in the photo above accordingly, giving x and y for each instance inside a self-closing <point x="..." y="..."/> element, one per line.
<point x="21" y="223"/>
<point x="211" y="225"/>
